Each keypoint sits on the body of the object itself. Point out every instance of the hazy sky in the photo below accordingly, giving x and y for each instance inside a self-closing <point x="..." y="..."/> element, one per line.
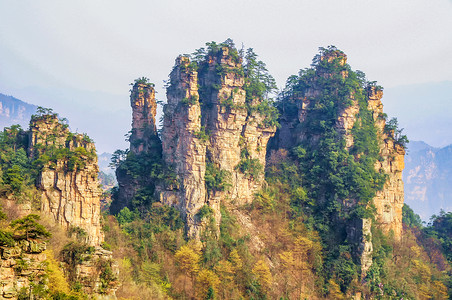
<point x="78" y="57"/>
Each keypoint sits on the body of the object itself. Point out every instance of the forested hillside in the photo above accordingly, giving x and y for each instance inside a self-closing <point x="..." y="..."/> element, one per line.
<point x="246" y="193"/>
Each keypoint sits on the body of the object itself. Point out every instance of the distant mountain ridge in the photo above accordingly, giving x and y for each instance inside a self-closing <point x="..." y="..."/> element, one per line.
<point x="15" y="111"/>
<point x="428" y="178"/>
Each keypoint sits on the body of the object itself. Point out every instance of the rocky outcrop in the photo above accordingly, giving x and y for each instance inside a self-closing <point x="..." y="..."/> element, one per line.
<point x="20" y="266"/>
<point x="389" y="201"/>
<point x="208" y="121"/>
<point x="132" y="172"/>
<point x="183" y="150"/>
<point x="69" y="185"/>
<point x="97" y="273"/>
<point x="359" y="234"/>
<point x="144" y="109"/>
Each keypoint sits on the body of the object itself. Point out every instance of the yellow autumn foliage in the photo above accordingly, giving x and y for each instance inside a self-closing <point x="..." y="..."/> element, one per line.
<point x="263" y="275"/>
<point x="57" y="281"/>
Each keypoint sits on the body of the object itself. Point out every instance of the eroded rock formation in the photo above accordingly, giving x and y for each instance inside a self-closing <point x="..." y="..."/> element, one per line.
<point x="70" y="187"/>
<point x="144" y="109"/>
<point x="145" y="147"/>
<point x="21" y="265"/>
<point x="208" y="122"/>
<point x="389" y="201"/>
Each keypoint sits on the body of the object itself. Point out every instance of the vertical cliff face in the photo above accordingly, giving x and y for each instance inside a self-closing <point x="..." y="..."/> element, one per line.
<point x="211" y="130"/>
<point x="69" y="184"/>
<point x="389" y="201"/>
<point x="238" y="132"/>
<point x="183" y="150"/>
<point x="144" y="109"/>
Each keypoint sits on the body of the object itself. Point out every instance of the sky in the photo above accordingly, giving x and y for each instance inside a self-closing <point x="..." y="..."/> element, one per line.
<point x="78" y="57"/>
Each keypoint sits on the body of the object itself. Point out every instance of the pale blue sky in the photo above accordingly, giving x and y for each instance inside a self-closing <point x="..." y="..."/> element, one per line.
<point x="78" y="57"/>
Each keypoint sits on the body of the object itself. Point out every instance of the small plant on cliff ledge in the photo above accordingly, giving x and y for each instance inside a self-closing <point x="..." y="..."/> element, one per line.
<point x="393" y="131"/>
<point x="251" y="167"/>
<point x="204" y="212"/>
<point x="217" y="179"/>
<point x="143" y="80"/>
<point x="202" y="134"/>
<point x="191" y="100"/>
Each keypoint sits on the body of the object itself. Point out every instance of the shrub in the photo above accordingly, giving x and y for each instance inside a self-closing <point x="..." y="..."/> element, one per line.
<point x="217" y="179"/>
<point x="251" y="167"/>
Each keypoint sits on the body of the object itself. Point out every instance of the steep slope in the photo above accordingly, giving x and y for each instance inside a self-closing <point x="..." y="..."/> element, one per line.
<point x="351" y="163"/>
<point x="217" y="123"/>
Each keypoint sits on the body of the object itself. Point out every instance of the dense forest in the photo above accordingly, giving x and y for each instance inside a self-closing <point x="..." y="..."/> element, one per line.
<point x="312" y="191"/>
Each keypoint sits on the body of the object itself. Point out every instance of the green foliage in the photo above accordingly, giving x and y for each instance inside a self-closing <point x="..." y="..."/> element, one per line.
<point x="440" y="228"/>
<point x="250" y="167"/>
<point x="202" y="134"/>
<point x="410" y="218"/>
<point x="13" y="177"/>
<point x="268" y="111"/>
<point x="142" y="80"/>
<point x="118" y="157"/>
<point x="106" y="246"/>
<point x="27" y="227"/>
<point x="258" y="81"/>
<point x="144" y="170"/>
<point x="6" y="238"/>
<point x="16" y="173"/>
<point x="192" y="100"/>
<point x="74" y="254"/>
<point x="217" y="179"/>
<point x="126" y="216"/>
<point x="80" y="233"/>
<point x="392" y="129"/>
<point x="106" y="274"/>
<point x="161" y="227"/>
<point x="204" y="212"/>
<point x="3" y="216"/>
<point x="259" y="84"/>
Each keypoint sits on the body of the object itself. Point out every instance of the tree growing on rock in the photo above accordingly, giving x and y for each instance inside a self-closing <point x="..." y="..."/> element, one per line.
<point x="27" y="228"/>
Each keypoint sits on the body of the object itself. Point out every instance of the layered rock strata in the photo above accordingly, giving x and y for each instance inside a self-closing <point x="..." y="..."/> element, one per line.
<point x="144" y="109"/>
<point x="20" y="266"/>
<point x="183" y="151"/>
<point x="207" y="121"/>
<point x="70" y="187"/>
<point x="389" y="201"/>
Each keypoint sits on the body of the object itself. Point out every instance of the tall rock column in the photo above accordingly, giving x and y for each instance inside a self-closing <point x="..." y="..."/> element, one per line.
<point x="145" y="147"/>
<point x="144" y="109"/>
<point x="70" y="187"/>
<point x="389" y="201"/>
<point x="211" y="123"/>
<point x="184" y="151"/>
<point x="237" y="130"/>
